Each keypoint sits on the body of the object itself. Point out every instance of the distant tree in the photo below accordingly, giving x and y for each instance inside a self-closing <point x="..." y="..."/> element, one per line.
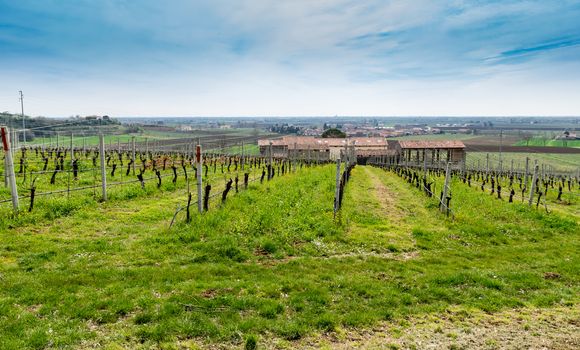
<point x="527" y="137"/>
<point x="333" y="133"/>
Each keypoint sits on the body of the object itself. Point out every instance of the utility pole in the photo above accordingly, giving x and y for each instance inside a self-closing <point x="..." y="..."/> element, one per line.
<point x="23" y="121"/>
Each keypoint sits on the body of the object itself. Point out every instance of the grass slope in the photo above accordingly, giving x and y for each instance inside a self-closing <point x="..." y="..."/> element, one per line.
<point x="271" y="262"/>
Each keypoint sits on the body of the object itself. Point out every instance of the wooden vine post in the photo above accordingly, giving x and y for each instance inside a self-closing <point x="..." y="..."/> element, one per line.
<point x="103" y="169"/>
<point x="442" y="205"/>
<point x="527" y="173"/>
<point x="199" y="161"/>
<point x="534" y="178"/>
<point x="9" y="166"/>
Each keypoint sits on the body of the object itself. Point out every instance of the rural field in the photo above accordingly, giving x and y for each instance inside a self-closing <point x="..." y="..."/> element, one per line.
<point x="280" y="175"/>
<point x="271" y="267"/>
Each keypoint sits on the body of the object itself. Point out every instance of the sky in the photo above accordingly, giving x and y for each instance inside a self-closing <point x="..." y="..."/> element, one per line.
<point x="290" y="58"/>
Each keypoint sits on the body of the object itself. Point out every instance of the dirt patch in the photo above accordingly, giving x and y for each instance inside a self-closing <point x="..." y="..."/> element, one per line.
<point x="556" y="329"/>
<point x="387" y="200"/>
<point x="385" y="197"/>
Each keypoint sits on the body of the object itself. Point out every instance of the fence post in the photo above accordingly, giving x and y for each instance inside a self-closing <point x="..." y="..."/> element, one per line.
<point x="271" y="166"/>
<point x="533" y="189"/>
<point x="486" y="164"/>
<point x="527" y="173"/>
<point x="10" y="167"/>
<point x="199" y="184"/>
<point x="243" y="159"/>
<point x="72" y="159"/>
<point x="442" y="205"/>
<point x="337" y="190"/>
<point x="295" y="153"/>
<point x="103" y="169"/>
<point x="133" y="155"/>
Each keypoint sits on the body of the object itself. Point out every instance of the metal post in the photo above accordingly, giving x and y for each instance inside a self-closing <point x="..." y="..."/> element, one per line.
<point x="72" y="158"/>
<point x="103" y="170"/>
<point x="425" y="163"/>
<point x="270" y="168"/>
<point x="337" y="190"/>
<point x="133" y="155"/>
<point x="199" y="184"/>
<point x="295" y="155"/>
<point x="10" y="167"/>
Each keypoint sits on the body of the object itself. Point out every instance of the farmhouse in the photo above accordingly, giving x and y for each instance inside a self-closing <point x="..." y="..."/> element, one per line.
<point x="431" y="152"/>
<point x="411" y="152"/>
<point x="316" y="148"/>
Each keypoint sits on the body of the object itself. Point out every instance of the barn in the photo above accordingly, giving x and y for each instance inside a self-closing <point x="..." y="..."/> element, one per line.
<point x="431" y="152"/>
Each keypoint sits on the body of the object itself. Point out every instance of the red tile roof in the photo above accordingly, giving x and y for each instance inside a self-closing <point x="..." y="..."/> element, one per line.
<point x="431" y="144"/>
<point x="304" y="142"/>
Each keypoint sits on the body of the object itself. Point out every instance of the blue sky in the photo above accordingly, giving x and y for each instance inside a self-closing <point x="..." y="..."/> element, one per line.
<point x="299" y="57"/>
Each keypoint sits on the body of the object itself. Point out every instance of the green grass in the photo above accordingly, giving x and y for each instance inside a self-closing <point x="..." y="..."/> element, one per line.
<point x="557" y="162"/>
<point x="548" y="142"/>
<point x="272" y="261"/>
<point x="147" y="134"/>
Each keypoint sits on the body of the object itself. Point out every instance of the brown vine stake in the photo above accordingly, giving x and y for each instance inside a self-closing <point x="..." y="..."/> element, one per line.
<point x="174" y="168"/>
<point x="206" y="197"/>
<point x="114" y="168"/>
<point x="225" y="192"/>
<point x="187" y="213"/>
<point x="32" y="192"/>
<point x="184" y="171"/>
<point x="75" y="166"/>
<point x="246" y="176"/>
<point x="129" y="167"/>
<point x="236" y="183"/>
<point x="53" y="177"/>
<point x="140" y="177"/>
<point x="158" y="173"/>
<point x="263" y="175"/>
